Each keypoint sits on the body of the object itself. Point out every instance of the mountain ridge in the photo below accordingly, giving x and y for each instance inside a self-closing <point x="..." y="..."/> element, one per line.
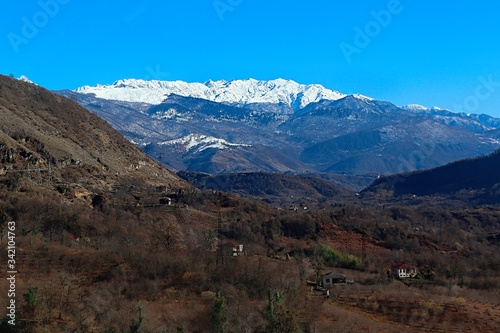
<point x="472" y="180"/>
<point x="240" y="92"/>
<point x="275" y="126"/>
<point x="41" y="129"/>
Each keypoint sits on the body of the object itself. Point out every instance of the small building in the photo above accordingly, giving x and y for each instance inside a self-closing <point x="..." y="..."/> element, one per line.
<point x="333" y="278"/>
<point x="232" y="248"/>
<point x="237" y="250"/>
<point x="403" y="271"/>
<point x="161" y="189"/>
<point x="166" y="201"/>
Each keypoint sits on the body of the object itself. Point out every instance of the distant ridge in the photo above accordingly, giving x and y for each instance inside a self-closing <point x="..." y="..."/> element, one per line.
<point x="261" y="184"/>
<point x="284" y="126"/>
<point x="477" y="176"/>
<point x="242" y="92"/>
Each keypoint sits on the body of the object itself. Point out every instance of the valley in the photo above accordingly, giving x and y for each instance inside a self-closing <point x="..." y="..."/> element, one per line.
<point x="109" y="240"/>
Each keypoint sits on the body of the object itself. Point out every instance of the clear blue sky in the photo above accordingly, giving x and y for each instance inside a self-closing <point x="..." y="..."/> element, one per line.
<point x="428" y="52"/>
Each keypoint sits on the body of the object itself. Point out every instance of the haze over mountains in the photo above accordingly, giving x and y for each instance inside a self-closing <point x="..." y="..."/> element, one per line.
<point x="283" y="126"/>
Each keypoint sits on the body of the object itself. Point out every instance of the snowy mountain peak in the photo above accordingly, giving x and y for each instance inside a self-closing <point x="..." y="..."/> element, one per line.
<point x="414" y="107"/>
<point x="420" y="108"/>
<point x="437" y="108"/>
<point x="362" y="97"/>
<point x="279" y="91"/>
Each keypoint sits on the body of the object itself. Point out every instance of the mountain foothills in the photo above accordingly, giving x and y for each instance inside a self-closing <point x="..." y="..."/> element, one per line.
<point x="280" y="189"/>
<point x="107" y="240"/>
<point x="44" y="131"/>
<point x="476" y="181"/>
<point x="282" y="126"/>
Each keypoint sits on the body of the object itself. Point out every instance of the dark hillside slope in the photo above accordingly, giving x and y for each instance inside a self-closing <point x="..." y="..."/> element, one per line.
<point x="482" y="173"/>
<point x="260" y="184"/>
<point x="38" y="128"/>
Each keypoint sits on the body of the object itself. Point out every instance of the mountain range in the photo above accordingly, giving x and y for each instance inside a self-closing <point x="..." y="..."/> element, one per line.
<point x="282" y="126"/>
<point x="236" y="92"/>
<point x="107" y="240"/>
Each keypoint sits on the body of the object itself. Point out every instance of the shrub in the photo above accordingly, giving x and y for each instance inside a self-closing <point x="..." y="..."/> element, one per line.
<point x="299" y="227"/>
<point x="333" y="257"/>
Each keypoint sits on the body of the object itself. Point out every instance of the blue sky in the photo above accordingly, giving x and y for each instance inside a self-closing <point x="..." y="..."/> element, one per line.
<point x="444" y="53"/>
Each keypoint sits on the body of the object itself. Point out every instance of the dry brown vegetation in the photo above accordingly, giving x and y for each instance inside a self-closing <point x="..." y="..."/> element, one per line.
<point x="38" y="128"/>
<point x="138" y="255"/>
<point x="142" y="265"/>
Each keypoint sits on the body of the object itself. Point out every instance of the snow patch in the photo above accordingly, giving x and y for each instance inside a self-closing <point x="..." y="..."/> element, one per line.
<point x="362" y="97"/>
<point x="201" y="142"/>
<point x="414" y="107"/>
<point x="24" y="78"/>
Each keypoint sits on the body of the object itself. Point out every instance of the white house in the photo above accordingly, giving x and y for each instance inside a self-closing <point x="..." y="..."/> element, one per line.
<point x="403" y="271"/>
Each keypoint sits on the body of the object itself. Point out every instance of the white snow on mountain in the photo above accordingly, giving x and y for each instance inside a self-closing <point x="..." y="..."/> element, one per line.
<point x="414" y="107"/>
<point x="471" y="122"/>
<point x="24" y="78"/>
<point x="200" y="142"/>
<point x="419" y="108"/>
<point x="249" y="91"/>
<point x="362" y="97"/>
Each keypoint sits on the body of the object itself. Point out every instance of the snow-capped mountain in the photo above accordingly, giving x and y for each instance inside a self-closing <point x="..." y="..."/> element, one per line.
<point x="473" y="122"/>
<point x="280" y="125"/>
<point x="414" y="107"/>
<point x="420" y="108"/>
<point x="240" y="92"/>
